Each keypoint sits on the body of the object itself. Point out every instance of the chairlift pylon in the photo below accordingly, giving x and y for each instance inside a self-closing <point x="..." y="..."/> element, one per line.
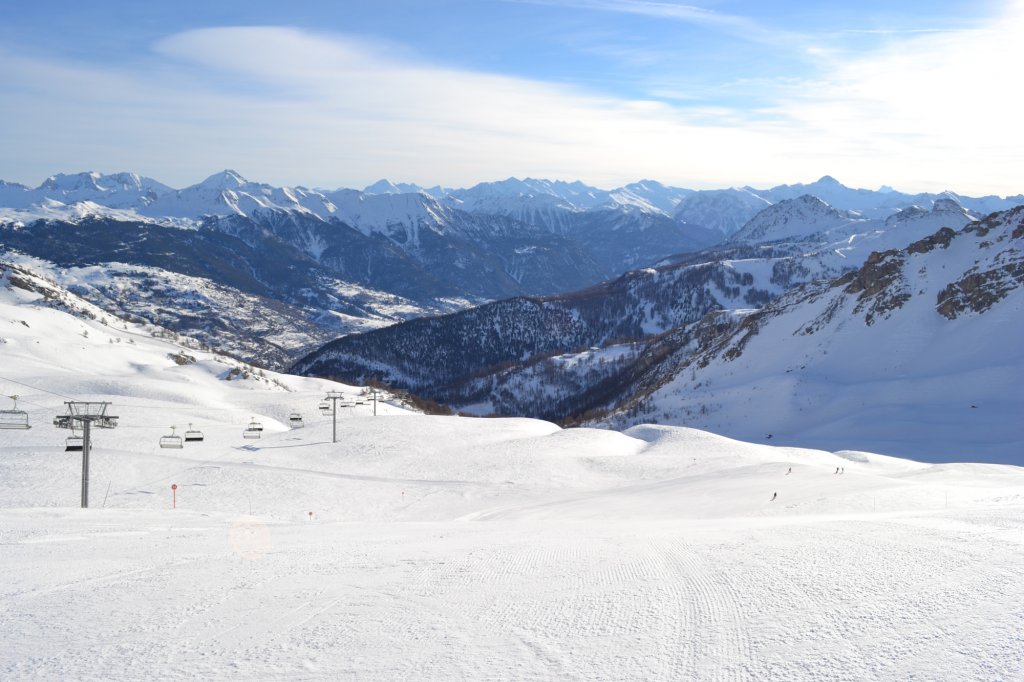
<point x="171" y="441"/>
<point x="193" y="435"/>
<point x="14" y="418"/>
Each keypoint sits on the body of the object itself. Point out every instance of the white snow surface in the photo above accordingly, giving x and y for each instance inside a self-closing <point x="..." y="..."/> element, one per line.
<point x="447" y="548"/>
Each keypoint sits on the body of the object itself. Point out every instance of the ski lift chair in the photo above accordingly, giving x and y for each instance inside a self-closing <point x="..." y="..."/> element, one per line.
<point x="325" y="408"/>
<point x="295" y="420"/>
<point x="193" y="435"/>
<point x="254" y="430"/>
<point x="171" y="441"/>
<point x="74" y="444"/>
<point x="14" y="418"/>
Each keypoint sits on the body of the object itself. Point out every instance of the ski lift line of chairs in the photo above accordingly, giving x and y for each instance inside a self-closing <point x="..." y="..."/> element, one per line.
<point x="295" y="420"/>
<point x="171" y="441"/>
<point x="254" y="430"/>
<point x="14" y="418"/>
<point x="193" y="435"/>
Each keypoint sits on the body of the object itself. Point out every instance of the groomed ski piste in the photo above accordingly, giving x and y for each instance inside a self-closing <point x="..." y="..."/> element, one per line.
<point x="441" y="548"/>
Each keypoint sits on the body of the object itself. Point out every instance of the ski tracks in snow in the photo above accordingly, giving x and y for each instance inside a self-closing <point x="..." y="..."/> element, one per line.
<point x="618" y="608"/>
<point x="712" y="632"/>
<point x="841" y="599"/>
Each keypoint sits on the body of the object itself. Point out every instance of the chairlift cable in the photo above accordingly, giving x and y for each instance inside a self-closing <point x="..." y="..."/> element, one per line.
<point x="36" y="388"/>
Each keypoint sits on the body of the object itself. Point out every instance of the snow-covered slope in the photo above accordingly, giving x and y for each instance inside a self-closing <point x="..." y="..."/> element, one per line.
<point x="650" y="195"/>
<point x="916" y="353"/>
<point x="240" y="288"/>
<point x="398" y="216"/>
<point x="451" y="548"/>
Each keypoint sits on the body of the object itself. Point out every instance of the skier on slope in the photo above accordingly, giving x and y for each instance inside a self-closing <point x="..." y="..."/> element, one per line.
<point x="774" y="495"/>
<point x="790" y="471"/>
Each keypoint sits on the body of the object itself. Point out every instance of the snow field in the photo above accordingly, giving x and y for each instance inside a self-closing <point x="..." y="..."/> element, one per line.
<point x="508" y="549"/>
<point x="109" y="595"/>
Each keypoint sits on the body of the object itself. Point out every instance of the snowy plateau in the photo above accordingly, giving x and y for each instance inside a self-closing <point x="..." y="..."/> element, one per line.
<point x="758" y="532"/>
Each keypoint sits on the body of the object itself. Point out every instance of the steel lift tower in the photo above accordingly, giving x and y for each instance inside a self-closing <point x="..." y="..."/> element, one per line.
<point x="85" y="415"/>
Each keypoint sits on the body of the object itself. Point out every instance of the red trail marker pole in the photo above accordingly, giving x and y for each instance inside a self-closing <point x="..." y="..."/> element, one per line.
<point x="174" y="496"/>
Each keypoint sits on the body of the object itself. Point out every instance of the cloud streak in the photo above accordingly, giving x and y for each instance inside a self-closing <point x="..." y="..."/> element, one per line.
<point x="734" y="25"/>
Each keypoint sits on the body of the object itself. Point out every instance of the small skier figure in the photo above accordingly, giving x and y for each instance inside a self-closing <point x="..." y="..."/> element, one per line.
<point x="774" y="495"/>
<point x="837" y="471"/>
<point x="842" y="470"/>
<point x="790" y="471"/>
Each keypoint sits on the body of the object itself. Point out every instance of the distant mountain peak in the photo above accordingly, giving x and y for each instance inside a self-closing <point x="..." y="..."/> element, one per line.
<point x="947" y="204"/>
<point x="800" y="216"/>
<point x="828" y="180"/>
<point x="382" y="186"/>
<point x="73" y="181"/>
<point x="385" y="186"/>
<point x="809" y="200"/>
<point x="225" y="179"/>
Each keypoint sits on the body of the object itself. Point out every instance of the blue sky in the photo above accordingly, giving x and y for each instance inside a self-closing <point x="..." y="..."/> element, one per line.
<point x="918" y="95"/>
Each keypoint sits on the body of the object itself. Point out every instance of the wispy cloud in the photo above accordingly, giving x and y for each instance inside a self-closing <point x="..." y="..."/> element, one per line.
<point x="902" y="31"/>
<point x="652" y="8"/>
<point x="735" y="25"/>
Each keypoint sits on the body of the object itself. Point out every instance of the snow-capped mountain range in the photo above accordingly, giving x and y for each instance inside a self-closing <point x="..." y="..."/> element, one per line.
<point x="325" y="263"/>
<point x="537" y="202"/>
